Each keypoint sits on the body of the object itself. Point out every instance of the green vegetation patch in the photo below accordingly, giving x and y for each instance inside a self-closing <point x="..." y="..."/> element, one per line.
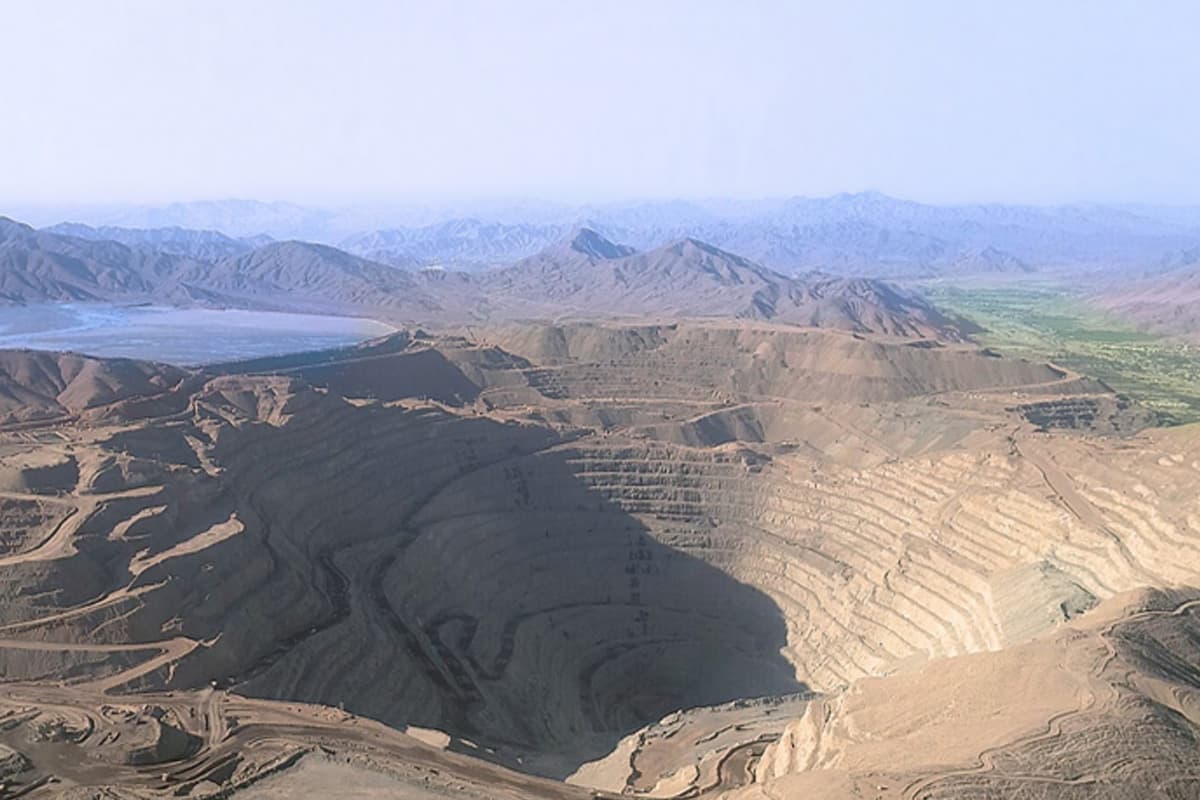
<point x="1047" y="323"/>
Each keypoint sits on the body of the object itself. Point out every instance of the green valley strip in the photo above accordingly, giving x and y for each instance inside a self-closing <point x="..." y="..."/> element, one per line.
<point x="1053" y="323"/>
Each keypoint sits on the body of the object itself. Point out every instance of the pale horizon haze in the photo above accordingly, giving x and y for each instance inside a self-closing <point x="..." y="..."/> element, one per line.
<point x="334" y="103"/>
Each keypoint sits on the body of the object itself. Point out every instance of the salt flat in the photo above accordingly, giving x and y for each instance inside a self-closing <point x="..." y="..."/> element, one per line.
<point x="186" y="336"/>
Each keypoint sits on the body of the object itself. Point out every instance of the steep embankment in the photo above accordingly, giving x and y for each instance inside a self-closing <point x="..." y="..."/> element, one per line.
<point x="1107" y="707"/>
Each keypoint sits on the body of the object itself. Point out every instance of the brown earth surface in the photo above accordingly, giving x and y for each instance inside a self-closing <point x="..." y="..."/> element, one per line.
<point x="1168" y="303"/>
<point x="676" y="559"/>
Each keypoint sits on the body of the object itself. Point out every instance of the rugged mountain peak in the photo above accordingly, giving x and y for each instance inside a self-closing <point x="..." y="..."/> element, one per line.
<point x="590" y="243"/>
<point x="311" y="264"/>
<point x="689" y="247"/>
<point x="694" y="254"/>
<point x="296" y="247"/>
<point x="10" y="229"/>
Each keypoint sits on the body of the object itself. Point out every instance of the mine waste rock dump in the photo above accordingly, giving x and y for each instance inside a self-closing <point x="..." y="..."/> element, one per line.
<point x="591" y="559"/>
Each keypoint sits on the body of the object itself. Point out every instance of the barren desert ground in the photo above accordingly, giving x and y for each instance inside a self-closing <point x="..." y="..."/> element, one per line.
<point x="668" y="559"/>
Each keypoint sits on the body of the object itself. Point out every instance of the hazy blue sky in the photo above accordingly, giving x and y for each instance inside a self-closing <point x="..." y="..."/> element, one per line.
<point x="1043" y="101"/>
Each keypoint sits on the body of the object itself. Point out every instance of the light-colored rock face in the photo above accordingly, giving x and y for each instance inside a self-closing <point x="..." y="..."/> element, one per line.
<point x="543" y="540"/>
<point x="1080" y="710"/>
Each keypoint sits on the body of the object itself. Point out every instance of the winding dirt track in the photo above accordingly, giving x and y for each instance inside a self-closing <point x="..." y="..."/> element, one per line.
<point x="232" y="730"/>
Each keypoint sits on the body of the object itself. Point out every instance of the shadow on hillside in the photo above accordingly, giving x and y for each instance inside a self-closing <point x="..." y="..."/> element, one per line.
<point x="381" y="370"/>
<point x="564" y="624"/>
<point x="544" y="617"/>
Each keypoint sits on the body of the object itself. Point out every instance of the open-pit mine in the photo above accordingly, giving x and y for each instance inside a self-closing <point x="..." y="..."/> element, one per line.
<point x="676" y="559"/>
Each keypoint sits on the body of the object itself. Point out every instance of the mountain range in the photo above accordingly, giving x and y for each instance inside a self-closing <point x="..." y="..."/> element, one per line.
<point x="38" y="266"/>
<point x="583" y="275"/>
<point x="587" y="273"/>
<point x="850" y="234"/>
<point x="205" y="245"/>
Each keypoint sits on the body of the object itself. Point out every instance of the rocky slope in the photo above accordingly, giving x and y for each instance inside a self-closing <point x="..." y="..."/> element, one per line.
<point x="589" y="275"/>
<point x="200" y="245"/>
<point x="1092" y="695"/>
<point x="467" y="244"/>
<point x="302" y="275"/>
<point x="38" y="267"/>
<point x="36" y="385"/>
<point x="1167" y="303"/>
